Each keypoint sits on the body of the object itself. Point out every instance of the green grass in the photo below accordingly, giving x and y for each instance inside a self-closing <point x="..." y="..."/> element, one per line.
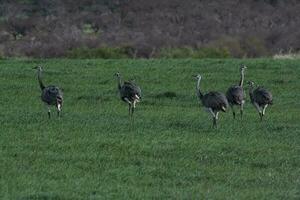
<point x="172" y="152"/>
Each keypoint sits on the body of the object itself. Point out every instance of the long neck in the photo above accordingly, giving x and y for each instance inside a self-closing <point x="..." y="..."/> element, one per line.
<point x="242" y="79"/>
<point x="251" y="92"/>
<point x="42" y="86"/>
<point x="119" y="82"/>
<point x="199" y="93"/>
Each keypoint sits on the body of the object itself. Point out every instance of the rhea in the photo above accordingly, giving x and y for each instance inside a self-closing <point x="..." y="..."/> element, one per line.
<point x="129" y="93"/>
<point x="260" y="98"/>
<point x="51" y="95"/>
<point x="235" y="94"/>
<point x="214" y="102"/>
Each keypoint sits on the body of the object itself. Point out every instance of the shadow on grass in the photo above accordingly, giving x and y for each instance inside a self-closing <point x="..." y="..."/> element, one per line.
<point x="44" y="196"/>
<point x="167" y="94"/>
<point x="93" y="98"/>
<point x="259" y="165"/>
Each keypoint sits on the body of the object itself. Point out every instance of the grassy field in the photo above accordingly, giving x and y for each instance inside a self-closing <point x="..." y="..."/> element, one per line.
<point x="171" y="152"/>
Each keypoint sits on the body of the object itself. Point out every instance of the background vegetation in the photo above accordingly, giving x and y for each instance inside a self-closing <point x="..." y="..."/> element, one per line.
<point x="171" y="152"/>
<point x="54" y="28"/>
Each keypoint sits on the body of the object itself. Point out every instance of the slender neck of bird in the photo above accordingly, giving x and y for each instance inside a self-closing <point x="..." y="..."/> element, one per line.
<point x="199" y="93"/>
<point x="40" y="79"/>
<point x="242" y="79"/>
<point x="119" y="82"/>
<point x="251" y="90"/>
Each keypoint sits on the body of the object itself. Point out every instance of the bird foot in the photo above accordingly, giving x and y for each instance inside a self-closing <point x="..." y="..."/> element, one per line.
<point x="261" y="116"/>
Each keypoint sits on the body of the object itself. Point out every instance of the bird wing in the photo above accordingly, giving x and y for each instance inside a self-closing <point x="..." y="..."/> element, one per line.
<point x="235" y="95"/>
<point x="215" y="100"/>
<point x="131" y="90"/>
<point x="52" y="95"/>
<point x="263" y="96"/>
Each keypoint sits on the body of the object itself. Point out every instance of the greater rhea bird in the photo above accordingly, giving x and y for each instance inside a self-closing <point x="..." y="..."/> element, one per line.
<point x="51" y="95"/>
<point x="214" y="102"/>
<point x="235" y="94"/>
<point x="260" y="98"/>
<point x="129" y="93"/>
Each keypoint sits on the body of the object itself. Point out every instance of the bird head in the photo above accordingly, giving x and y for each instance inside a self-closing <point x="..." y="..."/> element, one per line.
<point x="117" y="74"/>
<point x="243" y="67"/>
<point x="39" y="68"/>
<point x="198" y="76"/>
<point x="250" y="83"/>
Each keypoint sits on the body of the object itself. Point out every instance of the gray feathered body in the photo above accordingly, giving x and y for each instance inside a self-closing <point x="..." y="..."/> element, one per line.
<point x="130" y="91"/>
<point x="52" y="95"/>
<point x="261" y="96"/>
<point x="235" y="95"/>
<point x="214" y="100"/>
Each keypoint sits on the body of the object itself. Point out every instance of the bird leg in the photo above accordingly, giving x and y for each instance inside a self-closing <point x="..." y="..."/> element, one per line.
<point x="214" y="122"/>
<point x="49" y="111"/>
<point x="233" y="112"/>
<point x="137" y="98"/>
<point x="215" y="116"/>
<point x="215" y="119"/>
<point x="58" y="106"/>
<point x="263" y="112"/>
<point x="242" y="109"/>
<point x="261" y="116"/>
<point x="129" y="105"/>
<point x="258" y="109"/>
<point x="129" y="109"/>
<point x="132" y="118"/>
<point x="133" y="106"/>
<point x="132" y="110"/>
<point x="210" y="111"/>
<point x="127" y="100"/>
<point x="264" y="109"/>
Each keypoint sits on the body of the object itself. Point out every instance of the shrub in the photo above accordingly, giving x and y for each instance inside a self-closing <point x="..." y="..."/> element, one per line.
<point x="239" y="47"/>
<point x="194" y="53"/>
<point x="211" y="53"/>
<point x="254" y="47"/>
<point x="232" y="45"/>
<point x="104" y="52"/>
<point x="288" y="55"/>
<point x="176" y="52"/>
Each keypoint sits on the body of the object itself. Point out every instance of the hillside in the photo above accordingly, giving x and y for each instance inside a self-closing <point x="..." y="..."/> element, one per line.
<point x="44" y="28"/>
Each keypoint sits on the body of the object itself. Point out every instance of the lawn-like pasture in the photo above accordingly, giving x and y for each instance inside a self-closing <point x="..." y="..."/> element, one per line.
<point x="170" y="152"/>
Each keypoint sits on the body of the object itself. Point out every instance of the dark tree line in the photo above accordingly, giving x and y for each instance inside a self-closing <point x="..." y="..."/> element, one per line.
<point x="52" y="28"/>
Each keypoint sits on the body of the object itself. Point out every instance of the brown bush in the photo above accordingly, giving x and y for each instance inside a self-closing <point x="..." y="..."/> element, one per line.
<point x="246" y="28"/>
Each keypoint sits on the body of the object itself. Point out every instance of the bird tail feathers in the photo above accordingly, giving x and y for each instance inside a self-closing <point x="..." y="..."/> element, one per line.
<point x="137" y="97"/>
<point x="223" y="109"/>
<point x="59" y="100"/>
